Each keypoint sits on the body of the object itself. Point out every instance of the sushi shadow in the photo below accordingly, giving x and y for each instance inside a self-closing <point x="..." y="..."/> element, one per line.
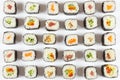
<point x="21" y="71"/>
<point x="99" y="23"/>
<point x="42" y="23"/>
<point x="40" y="71"/>
<point x="80" y="71"/>
<point x="59" y="38"/>
<point x="62" y="25"/>
<point x="38" y="55"/>
<point x="59" y="71"/>
<point x="98" y="38"/>
<point x="80" y="39"/>
<point x="100" y="55"/>
<point x="20" y="22"/>
<point x="81" y="24"/>
<point x="43" y="8"/>
<point x="18" y="37"/>
<point x="60" y="55"/>
<point x="81" y="10"/>
<point x="20" y="7"/>
<point x="99" y="71"/>
<point x="39" y="37"/>
<point x="61" y="7"/>
<point x="79" y="54"/>
<point x="99" y="7"/>
<point x="19" y="55"/>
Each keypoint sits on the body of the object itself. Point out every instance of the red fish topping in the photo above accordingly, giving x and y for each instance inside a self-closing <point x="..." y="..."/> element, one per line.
<point x="9" y="6"/>
<point x="92" y="73"/>
<point x="90" y="7"/>
<point x="9" y="55"/>
<point x="51" y="24"/>
<point x="68" y="57"/>
<point x="108" y="56"/>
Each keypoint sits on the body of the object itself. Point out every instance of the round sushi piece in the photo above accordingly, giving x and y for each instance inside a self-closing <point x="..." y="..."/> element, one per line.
<point x="69" y="55"/>
<point x="109" y="6"/>
<point x="71" y="40"/>
<point x="109" y="39"/>
<point x="109" y="55"/>
<point x="28" y="55"/>
<point x="10" y="7"/>
<point x="89" y="39"/>
<point x="32" y="7"/>
<point x="89" y="7"/>
<point x="91" y="22"/>
<point x="10" y="71"/>
<point x="90" y="72"/>
<point x="109" y="22"/>
<point x="31" y="23"/>
<point x="49" y="38"/>
<point x="30" y="72"/>
<point x="69" y="71"/>
<point x="10" y="56"/>
<point x="90" y="55"/>
<point x="71" y="8"/>
<point x="9" y="37"/>
<point x="71" y="24"/>
<point x="30" y="39"/>
<point x="53" y="8"/>
<point x="50" y="72"/>
<point x="10" y="22"/>
<point x="110" y="71"/>
<point x="52" y="25"/>
<point x="50" y="54"/>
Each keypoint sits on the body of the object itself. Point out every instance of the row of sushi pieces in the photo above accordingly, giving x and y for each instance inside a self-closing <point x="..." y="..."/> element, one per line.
<point x="70" y="7"/>
<point x="90" y="22"/>
<point x="68" y="71"/>
<point x="50" y="55"/>
<point x="89" y="39"/>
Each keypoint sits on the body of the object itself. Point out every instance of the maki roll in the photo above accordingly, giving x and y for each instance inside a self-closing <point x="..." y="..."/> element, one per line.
<point x="109" y="55"/>
<point x="53" y="8"/>
<point x="50" y="72"/>
<point x="71" y="7"/>
<point x="10" y="22"/>
<point x="52" y="25"/>
<point x="71" y="40"/>
<point x="90" y="72"/>
<point x="110" y="71"/>
<point x="49" y="38"/>
<point x="10" y="56"/>
<point x="50" y="54"/>
<point x="32" y="7"/>
<point x="28" y="55"/>
<point x="10" y="71"/>
<point x="10" y="7"/>
<point x="71" y="24"/>
<point x="69" y="71"/>
<point x="109" y="6"/>
<point x="109" y="22"/>
<point x="90" y="55"/>
<point x="89" y="7"/>
<point x="109" y="39"/>
<point x="9" y="38"/>
<point x="69" y="55"/>
<point x="91" y="22"/>
<point x="31" y="23"/>
<point x="30" y="39"/>
<point x="89" y="39"/>
<point x="30" y="72"/>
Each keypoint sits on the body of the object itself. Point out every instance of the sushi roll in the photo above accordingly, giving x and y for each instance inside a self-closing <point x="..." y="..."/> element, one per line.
<point x="10" y="7"/>
<point x="109" y="6"/>
<point x="69" y="55"/>
<point x="53" y="8"/>
<point x="31" y="23"/>
<point x="9" y="38"/>
<point x="110" y="71"/>
<point x="30" y="72"/>
<point x="89" y="7"/>
<point x="109" y="22"/>
<point x="89" y="39"/>
<point x="109" y="55"/>
<point x="71" y="24"/>
<point x="30" y="39"/>
<point x="28" y="55"/>
<point x="10" y="71"/>
<point x="49" y="38"/>
<point x="71" y="8"/>
<point x="52" y="25"/>
<point x="32" y="7"/>
<point x="69" y="71"/>
<point x="71" y="40"/>
<point x="10" y="56"/>
<point x="91" y="22"/>
<point x="90" y="55"/>
<point x="10" y="22"/>
<point x="109" y="39"/>
<point x="90" y="73"/>
<point x="50" y="54"/>
<point x="50" y="72"/>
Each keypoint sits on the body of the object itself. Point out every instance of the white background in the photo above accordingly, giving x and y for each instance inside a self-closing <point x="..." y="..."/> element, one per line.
<point x="60" y="45"/>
